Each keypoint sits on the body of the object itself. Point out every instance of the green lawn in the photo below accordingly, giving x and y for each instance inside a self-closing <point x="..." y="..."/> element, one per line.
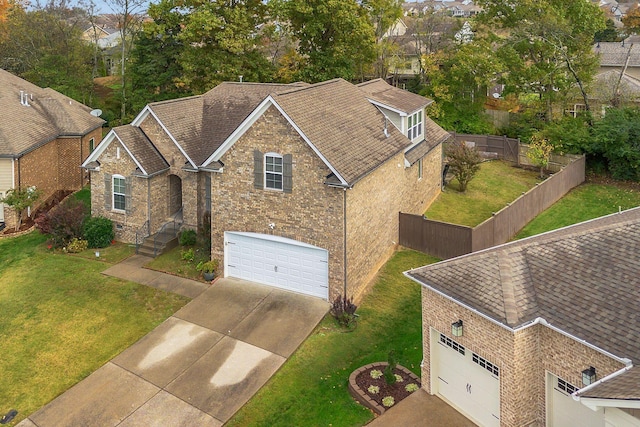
<point x="311" y="388"/>
<point x="171" y="262"/>
<point x="61" y="319"/>
<point x="496" y="184"/>
<point x="588" y="201"/>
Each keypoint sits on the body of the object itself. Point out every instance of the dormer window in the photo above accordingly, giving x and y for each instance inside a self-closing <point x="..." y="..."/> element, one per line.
<point x="415" y="125"/>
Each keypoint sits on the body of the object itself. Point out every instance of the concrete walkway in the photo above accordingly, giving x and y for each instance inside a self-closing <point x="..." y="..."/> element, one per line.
<point x="199" y="366"/>
<point x="421" y="409"/>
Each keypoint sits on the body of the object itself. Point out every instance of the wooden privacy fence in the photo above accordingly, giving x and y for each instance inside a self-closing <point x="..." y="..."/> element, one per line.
<point x="506" y="148"/>
<point x="445" y="240"/>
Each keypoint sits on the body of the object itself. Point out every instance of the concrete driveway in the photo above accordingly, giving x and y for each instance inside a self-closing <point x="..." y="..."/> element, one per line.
<point x="198" y="367"/>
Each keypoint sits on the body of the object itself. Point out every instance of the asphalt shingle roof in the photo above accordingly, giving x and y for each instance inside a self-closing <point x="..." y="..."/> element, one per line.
<point x="583" y="279"/>
<point x="614" y="54"/>
<point x="48" y="116"/>
<point x="382" y="92"/>
<point x="344" y="126"/>
<point x="142" y="149"/>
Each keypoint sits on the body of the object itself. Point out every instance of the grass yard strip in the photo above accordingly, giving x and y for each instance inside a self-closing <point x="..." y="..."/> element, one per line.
<point x="311" y="388"/>
<point x="171" y="262"/>
<point x="496" y="184"/>
<point x="585" y="202"/>
<point x="61" y="320"/>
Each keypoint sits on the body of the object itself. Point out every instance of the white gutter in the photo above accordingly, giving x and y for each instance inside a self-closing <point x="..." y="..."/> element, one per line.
<point x="537" y="320"/>
<point x="600" y="381"/>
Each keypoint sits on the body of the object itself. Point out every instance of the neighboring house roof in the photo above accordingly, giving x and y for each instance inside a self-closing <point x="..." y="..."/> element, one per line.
<point x="48" y="115"/>
<point x="380" y="91"/>
<point x="583" y="279"/>
<point x="614" y="54"/>
<point x="605" y="83"/>
<point x="141" y="149"/>
<point x="109" y="41"/>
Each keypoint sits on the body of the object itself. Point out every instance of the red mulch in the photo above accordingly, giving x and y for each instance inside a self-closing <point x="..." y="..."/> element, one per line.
<point x="396" y="390"/>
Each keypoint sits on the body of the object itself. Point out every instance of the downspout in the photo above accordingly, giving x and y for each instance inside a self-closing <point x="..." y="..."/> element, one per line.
<point x="344" y="242"/>
<point x="149" y="204"/>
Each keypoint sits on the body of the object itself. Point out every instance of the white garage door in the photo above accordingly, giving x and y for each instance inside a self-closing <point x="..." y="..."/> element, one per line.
<point x="563" y="410"/>
<point x="466" y="380"/>
<point x="277" y="261"/>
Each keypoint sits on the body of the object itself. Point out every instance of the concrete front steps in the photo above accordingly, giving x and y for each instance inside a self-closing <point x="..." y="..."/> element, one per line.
<point x="160" y="242"/>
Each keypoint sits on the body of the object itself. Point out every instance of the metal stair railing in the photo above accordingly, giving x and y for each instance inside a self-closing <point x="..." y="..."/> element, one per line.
<point x="173" y="222"/>
<point x="141" y="234"/>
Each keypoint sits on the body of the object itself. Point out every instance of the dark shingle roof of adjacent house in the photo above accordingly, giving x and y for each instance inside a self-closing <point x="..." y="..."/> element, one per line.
<point x="49" y="115"/>
<point x="343" y="125"/>
<point x="142" y="149"/>
<point x="380" y="91"/>
<point x="614" y="54"/>
<point x="583" y="279"/>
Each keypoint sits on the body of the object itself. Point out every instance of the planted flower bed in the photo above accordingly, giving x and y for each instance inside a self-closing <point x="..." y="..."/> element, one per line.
<point x="369" y="387"/>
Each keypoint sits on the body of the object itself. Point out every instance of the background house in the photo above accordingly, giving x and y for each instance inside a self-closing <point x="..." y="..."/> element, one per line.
<point x="44" y="137"/>
<point x="541" y="331"/>
<point x="300" y="184"/>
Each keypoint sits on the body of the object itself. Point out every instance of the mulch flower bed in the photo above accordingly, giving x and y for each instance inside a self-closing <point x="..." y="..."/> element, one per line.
<point x="368" y="386"/>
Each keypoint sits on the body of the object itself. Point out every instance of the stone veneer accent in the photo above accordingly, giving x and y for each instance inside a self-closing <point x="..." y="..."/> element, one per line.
<point x="524" y="357"/>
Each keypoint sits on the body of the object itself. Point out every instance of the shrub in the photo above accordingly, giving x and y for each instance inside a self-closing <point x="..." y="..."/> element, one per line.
<point x="77" y="245"/>
<point x="21" y="199"/>
<point x="187" y="237"/>
<point x="207" y="267"/>
<point x="187" y="255"/>
<point x="389" y="370"/>
<point x="99" y="232"/>
<point x="464" y="161"/>
<point x="344" y="311"/>
<point x="388" y="401"/>
<point x="411" y="387"/>
<point x="63" y="223"/>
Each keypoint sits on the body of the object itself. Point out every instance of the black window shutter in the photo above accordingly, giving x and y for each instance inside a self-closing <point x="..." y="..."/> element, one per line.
<point x="128" y="203"/>
<point x="107" y="191"/>
<point x="287" y="173"/>
<point x="258" y="170"/>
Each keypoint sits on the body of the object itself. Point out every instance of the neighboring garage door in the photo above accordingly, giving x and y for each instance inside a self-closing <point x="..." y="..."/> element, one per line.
<point x="277" y="261"/>
<point x="466" y="380"/>
<point x="563" y="410"/>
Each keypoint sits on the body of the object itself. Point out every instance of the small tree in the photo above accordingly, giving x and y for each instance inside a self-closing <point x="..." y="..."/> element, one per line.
<point x="20" y="199"/>
<point x="464" y="161"/>
<point x="539" y="152"/>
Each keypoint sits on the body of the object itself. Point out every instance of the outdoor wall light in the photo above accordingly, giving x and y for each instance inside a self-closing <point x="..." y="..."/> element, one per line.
<point x="456" y="328"/>
<point x="589" y="375"/>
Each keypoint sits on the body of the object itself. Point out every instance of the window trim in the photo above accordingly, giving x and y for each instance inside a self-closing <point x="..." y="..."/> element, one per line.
<point x="415" y="125"/>
<point x="92" y="144"/>
<point x="114" y="193"/>
<point x="273" y="172"/>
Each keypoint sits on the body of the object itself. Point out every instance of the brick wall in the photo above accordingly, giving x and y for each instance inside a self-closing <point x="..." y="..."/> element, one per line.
<point x="311" y="213"/>
<point x="126" y="223"/>
<point x="524" y="357"/>
<point x="176" y="160"/>
<point x="372" y="213"/>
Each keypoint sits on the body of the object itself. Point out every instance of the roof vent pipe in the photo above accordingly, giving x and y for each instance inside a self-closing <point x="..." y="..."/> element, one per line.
<point x="386" y="131"/>
<point x="22" y="97"/>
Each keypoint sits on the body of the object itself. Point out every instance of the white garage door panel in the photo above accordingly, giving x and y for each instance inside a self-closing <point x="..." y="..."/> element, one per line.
<point x="466" y="380"/>
<point x="277" y="261"/>
<point x="565" y="410"/>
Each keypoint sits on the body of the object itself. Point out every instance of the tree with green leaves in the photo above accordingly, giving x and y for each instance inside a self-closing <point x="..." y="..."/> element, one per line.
<point x="616" y="137"/>
<point x="631" y="19"/>
<point x="539" y="152"/>
<point x="383" y="15"/>
<point x="545" y="45"/>
<point x="44" y="46"/>
<point x="335" y="37"/>
<point x="20" y="199"/>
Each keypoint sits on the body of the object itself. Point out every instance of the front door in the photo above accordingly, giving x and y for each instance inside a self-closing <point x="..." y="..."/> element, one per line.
<point x="175" y="194"/>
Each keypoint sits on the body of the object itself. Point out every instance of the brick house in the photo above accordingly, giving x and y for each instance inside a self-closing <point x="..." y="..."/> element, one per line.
<point x="302" y="183"/>
<point x="543" y="331"/>
<point x="44" y="136"/>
